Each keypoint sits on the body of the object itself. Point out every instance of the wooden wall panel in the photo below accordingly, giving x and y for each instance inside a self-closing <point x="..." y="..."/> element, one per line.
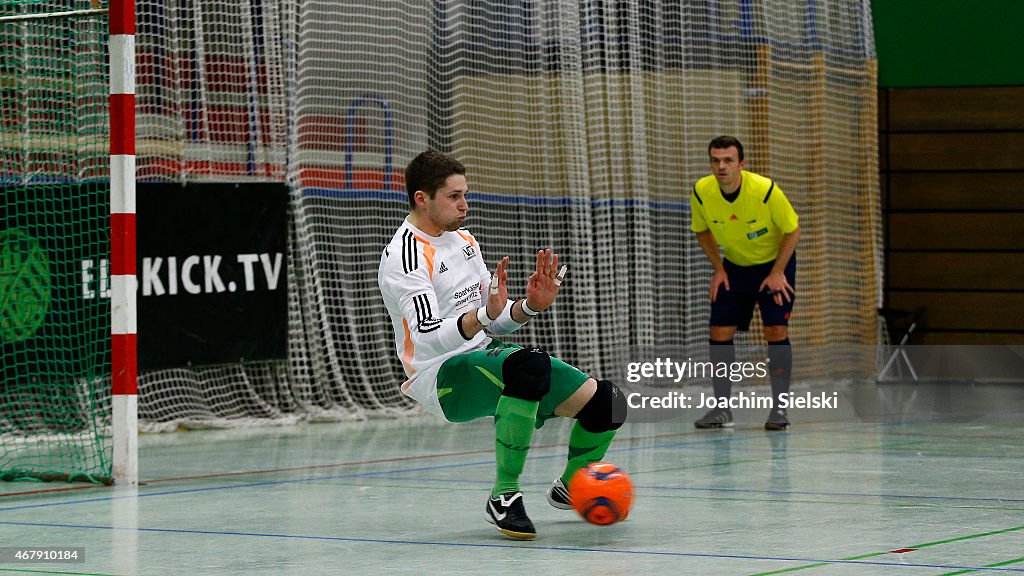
<point x="956" y="231"/>
<point x="883" y="151"/>
<point x="965" y="271"/>
<point x="941" y="190"/>
<point x="930" y="109"/>
<point x="965" y="310"/>
<point x="883" y="110"/>
<point x="884" y="188"/>
<point x="956" y="151"/>
<point x="952" y="173"/>
<point x="942" y="338"/>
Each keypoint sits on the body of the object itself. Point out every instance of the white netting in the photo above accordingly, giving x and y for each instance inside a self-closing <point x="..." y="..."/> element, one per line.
<point x="583" y="126"/>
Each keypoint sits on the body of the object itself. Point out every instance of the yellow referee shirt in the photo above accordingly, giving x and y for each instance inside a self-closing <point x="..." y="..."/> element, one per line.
<point x="750" y="228"/>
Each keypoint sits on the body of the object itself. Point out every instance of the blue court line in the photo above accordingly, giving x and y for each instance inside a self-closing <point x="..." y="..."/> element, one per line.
<point x="646" y="487"/>
<point x="296" y="480"/>
<point x="729" y="490"/>
<point x="561" y="455"/>
<point x="725" y="490"/>
<point x="690" y="442"/>
<point x="506" y="546"/>
<point x="724" y="439"/>
<point x="419" y="469"/>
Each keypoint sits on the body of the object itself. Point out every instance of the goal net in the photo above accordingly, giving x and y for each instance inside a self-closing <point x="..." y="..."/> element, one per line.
<point x="583" y="126"/>
<point x="54" y="168"/>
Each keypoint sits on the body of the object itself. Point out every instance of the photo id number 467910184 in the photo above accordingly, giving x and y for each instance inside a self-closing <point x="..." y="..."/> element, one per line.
<point x="41" y="554"/>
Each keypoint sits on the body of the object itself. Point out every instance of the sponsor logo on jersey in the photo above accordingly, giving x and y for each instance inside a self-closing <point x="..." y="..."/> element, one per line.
<point x="443" y="269"/>
<point x="468" y="294"/>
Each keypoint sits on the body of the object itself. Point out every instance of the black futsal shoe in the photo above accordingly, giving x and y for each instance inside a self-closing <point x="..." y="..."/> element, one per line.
<point x="508" y="515"/>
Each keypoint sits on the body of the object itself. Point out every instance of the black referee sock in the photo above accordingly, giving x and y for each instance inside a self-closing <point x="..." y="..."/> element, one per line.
<point x="722" y="351"/>
<point x="780" y="358"/>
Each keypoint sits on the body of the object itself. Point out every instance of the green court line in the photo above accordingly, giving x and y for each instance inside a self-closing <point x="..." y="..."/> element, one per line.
<point x="925" y="545"/>
<point x="969" y="537"/>
<point x="996" y="565"/>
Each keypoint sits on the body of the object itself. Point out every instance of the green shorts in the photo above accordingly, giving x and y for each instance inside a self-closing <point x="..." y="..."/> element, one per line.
<point x="469" y="385"/>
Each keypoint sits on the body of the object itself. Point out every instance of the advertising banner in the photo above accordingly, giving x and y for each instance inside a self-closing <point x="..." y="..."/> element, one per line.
<point x="212" y="273"/>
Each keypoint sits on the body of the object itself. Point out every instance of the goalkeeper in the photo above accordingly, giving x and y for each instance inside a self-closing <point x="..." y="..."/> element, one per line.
<point x="749" y="217"/>
<point x="441" y="299"/>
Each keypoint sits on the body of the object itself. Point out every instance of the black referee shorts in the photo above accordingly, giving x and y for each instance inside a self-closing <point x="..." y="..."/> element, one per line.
<point x="735" y="307"/>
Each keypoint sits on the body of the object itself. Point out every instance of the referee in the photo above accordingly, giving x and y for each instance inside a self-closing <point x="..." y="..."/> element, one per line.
<point x="750" y="219"/>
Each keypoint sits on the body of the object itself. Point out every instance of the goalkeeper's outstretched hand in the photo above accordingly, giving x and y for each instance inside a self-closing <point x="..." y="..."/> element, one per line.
<point x="542" y="286"/>
<point x="497" y="294"/>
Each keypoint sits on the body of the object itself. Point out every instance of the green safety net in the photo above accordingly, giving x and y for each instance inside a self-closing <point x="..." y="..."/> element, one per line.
<point x="54" y="244"/>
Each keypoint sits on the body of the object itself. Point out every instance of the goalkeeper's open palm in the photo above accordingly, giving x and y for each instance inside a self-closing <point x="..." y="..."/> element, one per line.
<point x="542" y="286"/>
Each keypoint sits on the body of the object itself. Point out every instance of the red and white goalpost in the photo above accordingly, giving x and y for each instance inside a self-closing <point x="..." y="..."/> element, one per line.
<point x="124" y="364"/>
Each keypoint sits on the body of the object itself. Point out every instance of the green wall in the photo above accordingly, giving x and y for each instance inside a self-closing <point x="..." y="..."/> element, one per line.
<point x="923" y="43"/>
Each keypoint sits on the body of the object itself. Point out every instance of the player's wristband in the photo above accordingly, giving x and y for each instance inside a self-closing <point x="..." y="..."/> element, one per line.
<point x="529" y="311"/>
<point x="482" y="317"/>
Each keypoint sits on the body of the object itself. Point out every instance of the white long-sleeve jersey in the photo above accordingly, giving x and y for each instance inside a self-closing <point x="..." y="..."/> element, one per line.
<point x="428" y="283"/>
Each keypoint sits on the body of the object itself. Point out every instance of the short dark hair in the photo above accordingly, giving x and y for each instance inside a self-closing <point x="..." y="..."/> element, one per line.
<point x="428" y="171"/>
<point x="723" y="142"/>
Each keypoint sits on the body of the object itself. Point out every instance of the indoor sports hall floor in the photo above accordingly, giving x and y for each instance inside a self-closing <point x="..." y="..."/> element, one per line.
<point x="902" y="480"/>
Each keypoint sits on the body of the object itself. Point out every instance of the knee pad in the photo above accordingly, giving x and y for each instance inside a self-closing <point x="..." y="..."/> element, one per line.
<point x="527" y="374"/>
<point x="606" y="409"/>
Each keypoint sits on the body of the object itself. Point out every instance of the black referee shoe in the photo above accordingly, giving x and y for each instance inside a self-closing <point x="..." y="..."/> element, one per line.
<point x="508" y="515"/>
<point x="777" y="420"/>
<point x="716" y="418"/>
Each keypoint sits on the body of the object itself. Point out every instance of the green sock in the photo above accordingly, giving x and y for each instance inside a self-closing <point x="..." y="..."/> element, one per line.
<point x="513" y="427"/>
<point x="585" y="448"/>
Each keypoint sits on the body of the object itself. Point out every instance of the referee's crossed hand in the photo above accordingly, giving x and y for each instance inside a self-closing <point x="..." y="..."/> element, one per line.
<point x="777" y="285"/>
